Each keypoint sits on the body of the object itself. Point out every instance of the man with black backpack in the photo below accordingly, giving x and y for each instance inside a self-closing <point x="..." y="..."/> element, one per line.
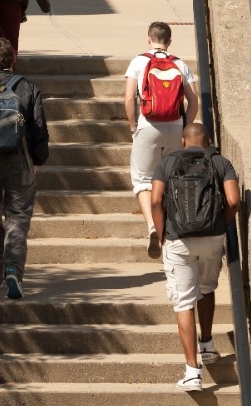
<point x="195" y="194"/>
<point x="161" y="81"/>
<point x="23" y="146"/>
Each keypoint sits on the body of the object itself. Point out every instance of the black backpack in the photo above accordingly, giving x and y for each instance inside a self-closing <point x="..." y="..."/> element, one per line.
<point x="193" y="200"/>
<point x="11" y="120"/>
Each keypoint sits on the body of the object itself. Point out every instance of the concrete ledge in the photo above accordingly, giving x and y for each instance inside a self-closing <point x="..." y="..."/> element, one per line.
<point x="230" y="25"/>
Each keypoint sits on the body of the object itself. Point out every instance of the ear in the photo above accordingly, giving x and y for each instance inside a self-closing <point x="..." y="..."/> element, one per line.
<point x="207" y="142"/>
<point x="183" y="142"/>
<point x="169" y="43"/>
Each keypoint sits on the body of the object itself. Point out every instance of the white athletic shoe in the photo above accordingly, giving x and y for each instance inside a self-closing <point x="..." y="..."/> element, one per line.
<point x="207" y="352"/>
<point x="154" y="247"/>
<point x="192" y="380"/>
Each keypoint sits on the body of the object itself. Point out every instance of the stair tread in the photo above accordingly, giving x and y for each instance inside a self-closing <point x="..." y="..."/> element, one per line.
<point x="164" y="329"/>
<point x="105" y="283"/>
<point x="84" y="100"/>
<point x="72" y="168"/>
<point x="110" y="388"/>
<point x="99" y="216"/>
<point x="87" y="122"/>
<point x="90" y="145"/>
<point x="126" y="242"/>
<point x="112" y="193"/>
<point x="70" y="77"/>
<point x="80" y="77"/>
<point x="138" y="358"/>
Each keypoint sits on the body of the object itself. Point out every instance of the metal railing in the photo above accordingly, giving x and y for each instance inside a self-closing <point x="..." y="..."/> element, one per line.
<point x="239" y="315"/>
<point x="242" y="349"/>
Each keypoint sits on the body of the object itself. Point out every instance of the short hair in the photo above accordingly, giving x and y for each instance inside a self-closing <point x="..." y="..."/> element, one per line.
<point x="160" y="32"/>
<point x="196" y="134"/>
<point x="6" y="54"/>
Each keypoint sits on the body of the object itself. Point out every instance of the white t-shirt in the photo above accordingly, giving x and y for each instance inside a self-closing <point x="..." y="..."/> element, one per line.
<point x="136" y="70"/>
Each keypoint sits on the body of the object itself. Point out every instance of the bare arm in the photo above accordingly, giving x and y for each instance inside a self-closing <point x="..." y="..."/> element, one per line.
<point x="131" y="88"/>
<point x="232" y="193"/>
<point x="192" y="100"/>
<point x="158" y="215"/>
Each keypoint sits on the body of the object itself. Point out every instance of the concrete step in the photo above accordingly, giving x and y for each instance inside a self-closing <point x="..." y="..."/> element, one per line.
<point x="84" y="178"/>
<point x="79" y="108"/>
<point x="116" y="395"/>
<point x="100" y="293"/>
<point x="77" y="130"/>
<point x="89" y="154"/>
<point x="84" y="85"/>
<point x="82" y="201"/>
<point x="92" y="109"/>
<point x="83" y="250"/>
<point x="108" y="368"/>
<point x="33" y="312"/>
<point x="102" y="338"/>
<point x="92" y="226"/>
<point x="77" y="65"/>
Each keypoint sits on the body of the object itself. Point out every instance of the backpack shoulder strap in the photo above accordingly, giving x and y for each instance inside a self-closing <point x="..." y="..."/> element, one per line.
<point x="210" y="151"/>
<point x="172" y="57"/>
<point x="147" y="54"/>
<point x="13" y="81"/>
<point x="177" y="153"/>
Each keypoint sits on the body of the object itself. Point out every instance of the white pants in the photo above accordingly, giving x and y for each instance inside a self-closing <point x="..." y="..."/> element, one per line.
<point x="150" y="145"/>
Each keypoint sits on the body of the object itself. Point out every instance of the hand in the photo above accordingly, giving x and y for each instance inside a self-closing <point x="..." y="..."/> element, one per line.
<point x="133" y="131"/>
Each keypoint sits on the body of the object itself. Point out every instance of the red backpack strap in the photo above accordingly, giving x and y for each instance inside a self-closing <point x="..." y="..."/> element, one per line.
<point x="147" y="54"/>
<point x="172" y="57"/>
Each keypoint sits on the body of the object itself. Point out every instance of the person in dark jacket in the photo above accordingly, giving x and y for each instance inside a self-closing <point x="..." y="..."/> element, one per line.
<point x="17" y="176"/>
<point x="12" y="14"/>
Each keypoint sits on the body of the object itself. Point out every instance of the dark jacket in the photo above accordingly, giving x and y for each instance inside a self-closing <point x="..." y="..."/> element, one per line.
<point x="32" y="109"/>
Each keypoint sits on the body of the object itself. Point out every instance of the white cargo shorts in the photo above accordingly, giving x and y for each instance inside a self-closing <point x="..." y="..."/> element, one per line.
<point x="192" y="266"/>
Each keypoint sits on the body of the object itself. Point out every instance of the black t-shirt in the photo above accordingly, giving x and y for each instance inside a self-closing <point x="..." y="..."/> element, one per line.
<point x="224" y="171"/>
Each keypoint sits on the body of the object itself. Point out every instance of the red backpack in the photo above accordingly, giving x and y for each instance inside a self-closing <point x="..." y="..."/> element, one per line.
<point x="162" y="89"/>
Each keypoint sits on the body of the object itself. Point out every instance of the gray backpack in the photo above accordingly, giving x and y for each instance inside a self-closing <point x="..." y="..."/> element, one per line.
<point x="12" y="126"/>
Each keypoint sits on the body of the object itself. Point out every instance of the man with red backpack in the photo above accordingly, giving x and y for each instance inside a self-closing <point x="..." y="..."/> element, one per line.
<point x="162" y="81"/>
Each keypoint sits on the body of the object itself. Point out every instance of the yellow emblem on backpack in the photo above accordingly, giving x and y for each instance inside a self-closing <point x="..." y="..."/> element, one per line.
<point x="166" y="84"/>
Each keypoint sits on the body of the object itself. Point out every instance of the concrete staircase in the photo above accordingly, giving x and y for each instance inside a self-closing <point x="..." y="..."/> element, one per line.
<point x="95" y="326"/>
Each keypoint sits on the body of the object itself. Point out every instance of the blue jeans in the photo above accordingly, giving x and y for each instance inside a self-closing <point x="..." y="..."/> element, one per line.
<point x="18" y="192"/>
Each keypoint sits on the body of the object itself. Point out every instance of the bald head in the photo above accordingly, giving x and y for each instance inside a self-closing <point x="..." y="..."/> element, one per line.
<point x="195" y="135"/>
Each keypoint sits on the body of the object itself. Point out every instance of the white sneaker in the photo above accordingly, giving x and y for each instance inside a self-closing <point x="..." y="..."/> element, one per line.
<point x="207" y="352"/>
<point x="154" y="247"/>
<point x="192" y="380"/>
